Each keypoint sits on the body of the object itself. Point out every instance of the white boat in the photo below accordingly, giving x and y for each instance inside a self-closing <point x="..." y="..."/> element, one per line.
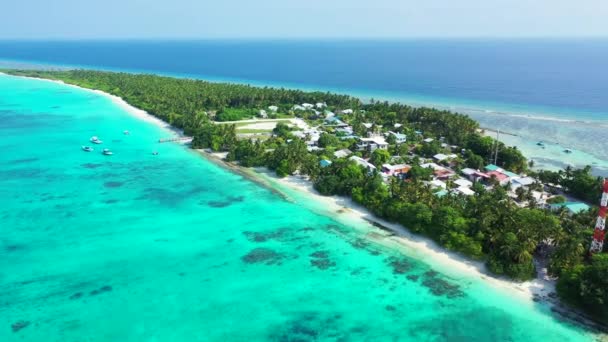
<point x="126" y="132"/>
<point x="87" y="148"/>
<point x="568" y="150"/>
<point x="95" y="140"/>
<point x="107" y="152"/>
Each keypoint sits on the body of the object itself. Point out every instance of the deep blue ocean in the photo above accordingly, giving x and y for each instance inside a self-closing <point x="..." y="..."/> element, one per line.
<point x="559" y="74"/>
<point x="550" y="90"/>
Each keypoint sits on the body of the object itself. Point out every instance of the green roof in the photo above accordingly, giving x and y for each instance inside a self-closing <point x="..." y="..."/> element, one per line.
<point x="491" y="167"/>
<point x="441" y="193"/>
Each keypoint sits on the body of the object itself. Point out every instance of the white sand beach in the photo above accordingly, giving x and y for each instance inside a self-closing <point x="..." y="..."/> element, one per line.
<point x="345" y="210"/>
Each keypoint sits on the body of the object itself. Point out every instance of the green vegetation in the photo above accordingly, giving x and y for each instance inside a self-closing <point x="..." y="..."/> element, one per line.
<point x="487" y="226"/>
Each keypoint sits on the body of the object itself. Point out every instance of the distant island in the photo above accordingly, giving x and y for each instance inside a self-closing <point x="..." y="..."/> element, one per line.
<point x="433" y="171"/>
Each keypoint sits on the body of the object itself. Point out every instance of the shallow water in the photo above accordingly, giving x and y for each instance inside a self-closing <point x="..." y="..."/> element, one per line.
<point x="137" y="247"/>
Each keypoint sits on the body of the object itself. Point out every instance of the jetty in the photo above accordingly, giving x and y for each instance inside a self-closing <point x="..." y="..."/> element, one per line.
<point x="183" y="140"/>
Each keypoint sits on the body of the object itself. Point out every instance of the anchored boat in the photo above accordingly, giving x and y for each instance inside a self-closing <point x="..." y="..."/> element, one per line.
<point x="95" y="140"/>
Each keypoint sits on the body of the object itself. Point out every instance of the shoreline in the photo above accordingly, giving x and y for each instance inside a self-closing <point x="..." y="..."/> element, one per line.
<point x="350" y="213"/>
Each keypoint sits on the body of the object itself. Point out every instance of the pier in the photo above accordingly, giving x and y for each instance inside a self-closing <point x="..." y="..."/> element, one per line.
<point x="183" y="140"/>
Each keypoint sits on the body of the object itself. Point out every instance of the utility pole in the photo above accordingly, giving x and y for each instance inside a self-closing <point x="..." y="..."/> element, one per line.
<point x="496" y="149"/>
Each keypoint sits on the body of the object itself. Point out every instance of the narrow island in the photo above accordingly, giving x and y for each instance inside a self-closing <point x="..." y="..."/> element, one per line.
<point x="432" y="171"/>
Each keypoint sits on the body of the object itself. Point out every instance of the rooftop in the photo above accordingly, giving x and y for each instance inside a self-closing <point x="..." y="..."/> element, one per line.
<point x="575" y="207"/>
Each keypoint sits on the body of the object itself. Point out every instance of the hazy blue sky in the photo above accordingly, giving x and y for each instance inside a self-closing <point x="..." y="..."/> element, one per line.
<point x="76" y="19"/>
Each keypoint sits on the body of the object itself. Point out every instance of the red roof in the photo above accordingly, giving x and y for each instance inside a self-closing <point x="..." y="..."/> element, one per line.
<point x="499" y="176"/>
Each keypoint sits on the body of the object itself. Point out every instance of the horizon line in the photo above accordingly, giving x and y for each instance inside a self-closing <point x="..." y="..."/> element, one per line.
<point x="236" y="39"/>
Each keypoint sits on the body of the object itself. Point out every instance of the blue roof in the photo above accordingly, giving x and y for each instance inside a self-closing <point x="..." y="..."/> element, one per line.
<point x="325" y="162"/>
<point x="575" y="207"/>
<point x="491" y="167"/>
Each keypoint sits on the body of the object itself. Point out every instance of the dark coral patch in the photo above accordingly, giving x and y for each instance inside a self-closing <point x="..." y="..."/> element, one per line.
<point x="322" y="264"/>
<point x="320" y="254"/>
<point x="14" y="247"/>
<point x="91" y="165"/>
<point x="19" y="325"/>
<point x="113" y="184"/>
<point x="265" y="236"/>
<point x="76" y="295"/>
<point x="263" y="256"/>
<point x="24" y="160"/>
<point x="310" y="327"/>
<point x="321" y="260"/>
<point x="399" y="266"/>
<point x="111" y="201"/>
<point x="101" y="290"/>
<point x="360" y="243"/>
<point x="218" y="204"/>
<point x="413" y="277"/>
<point x="390" y="308"/>
<point x="441" y="287"/>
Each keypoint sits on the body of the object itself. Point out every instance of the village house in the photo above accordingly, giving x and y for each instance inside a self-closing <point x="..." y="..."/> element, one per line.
<point x="437" y="184"/>
<point x="372" y="143"/>
<point x="325" y="162"/>
<point x="463" y="183"/>
<point x="395" y="170"/>
<point x="439" y="171"/>
<point x="273" y="108"/>
<point x="362" y="162"/>
<point x="399" y="137"/>
<point x="474" y="175"/>
<point x="342" y="153"/>
<point x="522" y="182"/>
<point x="465" y="191"/>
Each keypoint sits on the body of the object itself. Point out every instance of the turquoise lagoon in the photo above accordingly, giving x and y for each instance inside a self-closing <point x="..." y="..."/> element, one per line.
<point x="171" y="247"/>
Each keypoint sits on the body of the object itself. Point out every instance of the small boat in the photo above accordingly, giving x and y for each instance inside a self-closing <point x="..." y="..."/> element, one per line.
<point x="107" y="152"/>
<point x="155" y="153"/>
<point x="540" y="143"/>
<point x="567" y="150"/>
<point x="87" y="148"/>
<point x="126" y="132"/>
<point x="95" y="140"/>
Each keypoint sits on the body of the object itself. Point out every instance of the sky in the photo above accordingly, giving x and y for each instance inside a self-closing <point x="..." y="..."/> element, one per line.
<point x="300" y="19"/>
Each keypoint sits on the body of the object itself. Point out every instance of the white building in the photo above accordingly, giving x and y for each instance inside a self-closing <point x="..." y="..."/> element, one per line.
<point x="399" y="137"/>
<point x="465" y="191"/>
<point x="374" y="142"/>
<point x="347" y="111"/>
<point x="438" y="184"/>
<point x="362" y="162"/>
<point x="342" y="153"/>
<point x="463" y="183"/>
<point x="273" y="108"/>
